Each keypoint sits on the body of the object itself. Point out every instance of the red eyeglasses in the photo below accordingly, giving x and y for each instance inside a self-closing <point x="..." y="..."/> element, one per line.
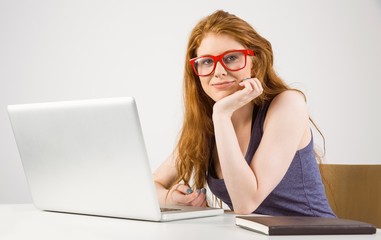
<point x="232" y="60"/>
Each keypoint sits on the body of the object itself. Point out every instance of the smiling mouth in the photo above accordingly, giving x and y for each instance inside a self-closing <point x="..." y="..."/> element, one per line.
<point x="220" y="84"/>
<point x="223" y="86"/>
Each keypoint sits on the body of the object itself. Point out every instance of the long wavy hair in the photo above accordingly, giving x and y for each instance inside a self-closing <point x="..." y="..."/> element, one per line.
<point x="196" y="142"/>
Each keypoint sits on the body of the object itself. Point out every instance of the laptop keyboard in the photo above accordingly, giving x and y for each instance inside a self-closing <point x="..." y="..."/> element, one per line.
<point x="169" y="209"/>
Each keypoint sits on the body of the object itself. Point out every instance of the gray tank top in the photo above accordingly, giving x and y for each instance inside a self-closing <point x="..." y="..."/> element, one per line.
<point x="300" y="192"/>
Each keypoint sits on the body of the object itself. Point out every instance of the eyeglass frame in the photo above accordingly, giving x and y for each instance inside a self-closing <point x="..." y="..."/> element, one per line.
<point x="219" y="58"/>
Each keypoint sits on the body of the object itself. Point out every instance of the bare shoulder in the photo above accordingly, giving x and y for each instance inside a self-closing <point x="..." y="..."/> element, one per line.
<point x="289" y="106"/>
<point x="289" y="100"/>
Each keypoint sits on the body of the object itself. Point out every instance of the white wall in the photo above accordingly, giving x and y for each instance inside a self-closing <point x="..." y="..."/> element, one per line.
<point x="64" y="50"/>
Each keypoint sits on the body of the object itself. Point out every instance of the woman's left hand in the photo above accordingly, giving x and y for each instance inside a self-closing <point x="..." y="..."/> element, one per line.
<point x="252" y="88"/>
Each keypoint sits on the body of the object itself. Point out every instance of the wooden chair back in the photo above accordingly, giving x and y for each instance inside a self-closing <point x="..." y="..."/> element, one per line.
<point x="354" y="191"/>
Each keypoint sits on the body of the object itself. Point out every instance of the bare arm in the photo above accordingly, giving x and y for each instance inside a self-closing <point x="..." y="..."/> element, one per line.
<point x="179" y="194"/>
<point x="285" y="126"/>
<point x="164" y="177"/>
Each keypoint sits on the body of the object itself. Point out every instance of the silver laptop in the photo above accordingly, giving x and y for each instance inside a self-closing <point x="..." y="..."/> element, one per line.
<point x="89" y="157"/>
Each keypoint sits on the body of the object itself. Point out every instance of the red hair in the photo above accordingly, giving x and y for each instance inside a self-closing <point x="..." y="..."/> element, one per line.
<point x="196" y="142"/>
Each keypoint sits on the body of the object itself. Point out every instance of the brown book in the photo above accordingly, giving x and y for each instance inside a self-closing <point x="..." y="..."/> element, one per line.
<point x="294" y="225"/>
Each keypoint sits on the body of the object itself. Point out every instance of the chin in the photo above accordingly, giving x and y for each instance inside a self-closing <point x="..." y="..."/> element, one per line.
<point x="217" y="97"/>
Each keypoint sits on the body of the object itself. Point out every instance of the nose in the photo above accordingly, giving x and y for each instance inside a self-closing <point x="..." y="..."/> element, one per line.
<point x="220" y="70"/>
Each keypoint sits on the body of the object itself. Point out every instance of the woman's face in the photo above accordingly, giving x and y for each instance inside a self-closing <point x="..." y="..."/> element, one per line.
<point x="222" y="82"/>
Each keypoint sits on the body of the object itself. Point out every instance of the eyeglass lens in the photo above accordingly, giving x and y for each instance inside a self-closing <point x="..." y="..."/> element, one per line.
<point x="231" y="61"/>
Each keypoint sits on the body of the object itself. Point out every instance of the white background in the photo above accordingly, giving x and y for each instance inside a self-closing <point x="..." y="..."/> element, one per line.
<point x="75" y="49"/>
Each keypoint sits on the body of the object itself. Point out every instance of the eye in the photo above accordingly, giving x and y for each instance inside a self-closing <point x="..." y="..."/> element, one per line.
<point x="205" y="61"/>
<point x="231" y="58"/>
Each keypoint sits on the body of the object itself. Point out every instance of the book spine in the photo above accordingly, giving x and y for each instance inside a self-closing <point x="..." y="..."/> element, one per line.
<point x="320" y="231"/>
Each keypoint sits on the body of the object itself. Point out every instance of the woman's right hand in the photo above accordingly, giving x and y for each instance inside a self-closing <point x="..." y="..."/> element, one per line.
<point x="181" y="194"/>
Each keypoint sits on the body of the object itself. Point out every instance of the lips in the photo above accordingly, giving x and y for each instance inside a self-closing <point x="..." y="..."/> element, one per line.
<point x="223" y="85"/>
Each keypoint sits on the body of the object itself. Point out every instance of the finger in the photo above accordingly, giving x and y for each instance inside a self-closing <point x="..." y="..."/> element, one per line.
<point x="178" y="192"/>
<point x="181" y="195"/>
<point x="246" y="79"/>
<point x="201" y="198"/>
<point x="199" y="202"/>
<point x="180" y="198"/>
<point x="257" y="85"/>
<point x="252" y="81"/>
<point x="188" y="199"/>
<point x="184" y="189"/>
<point x="246" y="85"/>
<point x="177" y="198"/>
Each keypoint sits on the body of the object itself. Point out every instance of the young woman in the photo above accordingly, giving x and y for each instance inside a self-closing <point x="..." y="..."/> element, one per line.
<point x="246" y="134"/>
